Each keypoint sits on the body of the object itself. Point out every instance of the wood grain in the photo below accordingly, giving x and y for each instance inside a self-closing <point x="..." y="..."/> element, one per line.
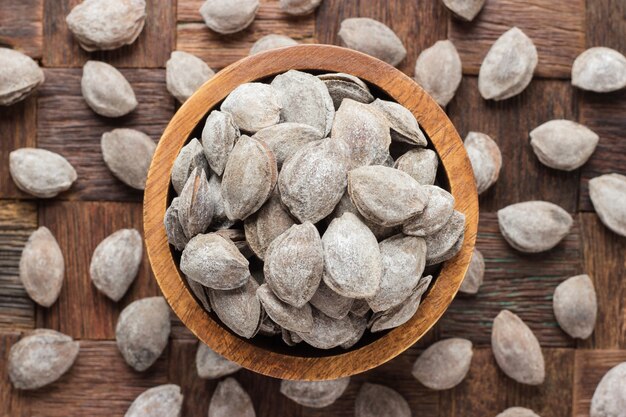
<point x="10" y="404"/>
<point x="508" y="123"/>
<point x="151" y="49"/>
<point x="17" y="221"/>
<point x="82" y="311"/>
<point x="66" y="125"/>
<point x="21" y="26"/>
<point x="606" y="24"/>
<point x="591" y="366"/>
<point x="557" y="28"/>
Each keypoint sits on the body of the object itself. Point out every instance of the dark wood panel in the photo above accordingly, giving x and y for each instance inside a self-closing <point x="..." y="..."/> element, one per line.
<point x="508" y="123"/>
<point x="591" y="366"/>
<point x="557" y="29"/>
<point x="65" y="124"/>
<point x="10" y="404"/>
<point x="151" y="49"/>
<point x="606" y="24"/>
<point x="82" y="311"/>
<point x="21" y="26"/>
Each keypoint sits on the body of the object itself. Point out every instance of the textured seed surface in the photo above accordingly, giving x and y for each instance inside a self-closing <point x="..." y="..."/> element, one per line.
<point x="444" y="364"/>
<point x="439" y="71"/>
<point x="359" y="325"/>
<point x="404" y="126"/>
<point x="230" y="400"/>
<point x="341" y="89"/>
<point x="294" y="264"/>
<point x="287" y="316"/>
<point x="365" y="130"/>
<point x="128" y="154"/>
<point x="174" y="230"/>
<point x="375" y="400"/>
<point x="576" y="306"/>
<point x="160" y="401"/>
<point x="272" y="41"/>
<point x="313" y="180"/>
<point x="185" y="73"/>
<point x="352" y="258"/>
<point x="249" y="178"/>
<point x="330" y="303"/>
<point x="299" y="7"/>
<point x="314" y="394"/>
<point x="190" y="157"/>
<point x="220" y="220"/>
<point x="360" y="308"/>
<point x="563" y="144"/>
<point x="215" y="262"/>
<point x="305" y="100"/>
<point x="475" y="274"/>
<point x="517" y="412"/>
<point x="199" y="291"/>
<point x="517" y="350"/>
<point x="239" y="309"/>
<point x="464" y="9"/>
<point x="346" y="205"/>
<point x="19" y="76"/>
<point x="373" y="38"/>
<point x="341" y="76"/>
<point x="286" y="138"/>
<point x="534" y="226"/>
<point x="327" y="332"/>
<point x="444" y="239"/>
<point x="609" y="399"/>
<point x="40" y="358"/>
<point x="450" y="253"/>
<point x="106" y="90"/>
<point x="105" y="25"/>
<point x="41" y="173"/>
<point x="42" y="267"/>
<point x="400" y="314"/>
<point x="486" y="159"/>
<point x="508" y="67"/>
<point x="228" y="16"/>
<point x="599" y="69"/>
<point x="421" y="164"/>
<point x="211" y="365"/>
<point x="436" y="214"/>
<point x="404" y="259"/>
<point x="196" y="205"/>
<point x="218" y="138"/>
<point x="142" y="331"/>
<point x="254" y="106"/>
<point x="290" y="338"/>
<point x="608" y="195"/>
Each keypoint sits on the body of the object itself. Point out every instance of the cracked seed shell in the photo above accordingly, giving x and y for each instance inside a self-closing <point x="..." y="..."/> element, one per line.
<point x="295" y="319"/>
<point x="41" y="173"/>
<point x="373" y="38"/>
<point x="599" y="69"/>
<point x="314" y="394"/>
<point x="517" y="412"/>
<point x="608" y="196"/>
<point x="563" y="144"/>
<point x="341" y="76"/>
<point x="403" y="312"/>
<point x="575" y="306"/>
<point x="272" y="41"/>
<point x="160" y="401"/>
<point x="442" y="241"/>
<point x="190" y="157"/>
<point x="475" y="274"/>
<point x="42" y="267"/>
<point x="254" y="106"/>
<point x="20" y="75"/>
<point x="128" y="154"/>
<point x="229" y="16"/>
<point x="439" y="71"/>
<point x="184" y="74"/>
<point x="419" y="163"/>
<point x="464" y="9"/>
<point x="444" y="364"/>
<point x="230" y="400"/>
<point x="211" y="365"/>
<point x="486" y="159"/>
<point x="195" y="208"/>
<point x="218" y="138"/>
<point x="435" y="216"/>
<point x="403" y="124"/>
<point x="341" y="89"/>
<point x="327" y="301"/>
<point x="375" y="400"/>
<point x="239" y="309"/>
<point x="106" y="91"/>
<point x="299" y="7"/>
<point x="609" y="398"/>
<point x="285" y="139"/>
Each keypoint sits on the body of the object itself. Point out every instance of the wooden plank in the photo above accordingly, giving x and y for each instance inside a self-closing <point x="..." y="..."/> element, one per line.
<point x="604" y="262"/>
<point x="10" y="403"/>
<point x="17" y="221"/>
<point x="66" y="125"/>
<point x="151" y="49"/>
<point x="419" y="24"/>
<point x="508" y="123"/>
<point x="591" y="366"/>
<point x="218" y="50"/>
<point x="21" y="26"/>
<point x="557" y="29"/>
<point x="606" y="24"/>
<point x="82" y="311"/>
<point x="18" y="125"/>
<point x="522" y="283"/>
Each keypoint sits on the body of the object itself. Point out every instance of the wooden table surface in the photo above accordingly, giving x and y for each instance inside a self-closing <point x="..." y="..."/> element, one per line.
<point x="57" y="118"/>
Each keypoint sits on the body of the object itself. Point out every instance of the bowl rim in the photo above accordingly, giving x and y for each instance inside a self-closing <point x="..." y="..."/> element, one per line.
<point x="400" y="88"/>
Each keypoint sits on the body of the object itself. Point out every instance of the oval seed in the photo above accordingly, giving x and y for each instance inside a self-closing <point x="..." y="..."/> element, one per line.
<point x="142" y="331"/>
<point x="517" y="412"/>
<point x="419" y="163"/>
<point x="41" y="173"/>
<point x="327" y="332"/>
<point x="314" y="394"/>
<point x="106" y="90"/>
<point x="105" y="25"/>
<point x="599" y="69"/>
<point x="299" y="7"/>
<point x="373" y="38"/>
<point x="435" y="216"/>
<point x="211" y="365"/>
<point x="239" y="309"/>
<point x="517" y="350"/>
<point x="439" y="71"/>
<point x="220" y="221"/>
<point x="403" y="312"/>
<point x="450" y="253"/>
<point x="563" y="144"/>
<point x="195" y="208"/>
<point x="40" y="358"/>
<point x="173" y="229"/>
<point x="190" y="157"/>
<point x="485" y="158"/>
<point x="404" y="126"/>
<point x="445" y="238"/>
<point x="229" y="16"/>
<point x="160" y="401"/>
<point x="20" y="75"/>
<point x="444" y="364"/>
<point x="375" y="400"/>
<point x="346" y="205"/>
<point x="464" y="9"/>
<point x="272" y="41"/>
<point x="285" y="139"/>
<point x="534" y="226"/>
<point x="42" y="267"/>
<point x="218" y="138"/>
<point x="608" y="196"/>
<point x="576" y="306"/>
<point x="508" y="67"/>
<point x="295" y="319"/>
<point x="128" y="154"/>
<point x="230" y="400"/>
<point x="254" y="106"/>
<point x="609" y="398"/>
<point x="475" y="274"/>
<point x="340" y="90"/>
<point x="327" y="301"/>
<point x="185" y="73"/>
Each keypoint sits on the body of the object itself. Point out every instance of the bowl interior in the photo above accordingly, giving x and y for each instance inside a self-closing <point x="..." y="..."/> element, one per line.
<point x="269" y="355"/>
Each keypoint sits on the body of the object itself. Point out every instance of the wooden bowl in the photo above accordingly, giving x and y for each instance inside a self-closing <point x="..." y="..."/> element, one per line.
<point x="266" y="357"/>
